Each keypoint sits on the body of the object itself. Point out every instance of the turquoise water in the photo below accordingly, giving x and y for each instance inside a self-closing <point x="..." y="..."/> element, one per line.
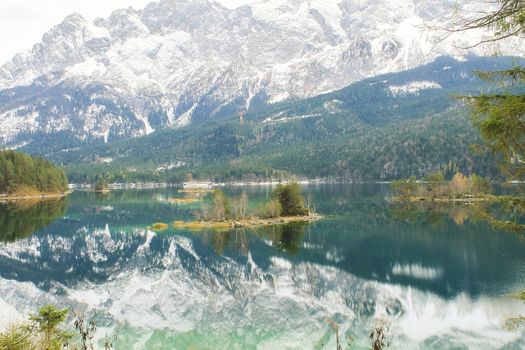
<point x="439" y="275"/>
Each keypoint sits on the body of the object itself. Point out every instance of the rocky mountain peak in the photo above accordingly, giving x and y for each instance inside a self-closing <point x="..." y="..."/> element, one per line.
<point x="179" y="62"/>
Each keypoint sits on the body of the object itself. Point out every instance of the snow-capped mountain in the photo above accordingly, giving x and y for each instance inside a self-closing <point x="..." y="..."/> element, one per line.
<point x="178" y="62"/>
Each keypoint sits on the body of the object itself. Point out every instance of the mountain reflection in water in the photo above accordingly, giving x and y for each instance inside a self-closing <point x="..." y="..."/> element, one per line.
<point x="431" y="273"/>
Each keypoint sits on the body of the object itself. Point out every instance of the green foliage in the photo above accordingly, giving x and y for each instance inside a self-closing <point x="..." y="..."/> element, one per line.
<point x="21" y="172"/>
<point x="434" y="178"/>
<point x="46" y="333"/>
<point x="291" y="199"/>
<point x="505" y="213"/>
<point x="329" y="148"/>
<point x="480" y="185"/>
<point x="435" y="186"/>
<point x="48" y="320"/>
<point x="404" y="135"/>
<point x="49" y="317"/>
<point x="288" y="238"/>
<point x="506" y="19"/>
<point x="220" y="205"/>
<point x="404" y="187"/>
<point x="286" y="200"/>
<point x="101" y="185"/>
<point x="271" y="209"/>
<point x="291" y="237"/>
<point x="500" y="116"/>
<point x="16" y="337"/>
<point x="434" y="181"/>
<point x="19" y="220"/>
<point x="219" y="241"/>
<point x="501" y="120"/>
<point x="505" y="77"/>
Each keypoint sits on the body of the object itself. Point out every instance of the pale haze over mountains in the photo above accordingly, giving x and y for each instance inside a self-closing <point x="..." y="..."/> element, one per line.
<point x="175" y="62"/>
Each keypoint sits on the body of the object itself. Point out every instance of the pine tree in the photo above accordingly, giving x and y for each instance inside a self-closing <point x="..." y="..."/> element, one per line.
<point x="20" y="171"/>
<point x="500" y="117"/>
<point x="291" y="199"/>
<point x="48" y="320"/>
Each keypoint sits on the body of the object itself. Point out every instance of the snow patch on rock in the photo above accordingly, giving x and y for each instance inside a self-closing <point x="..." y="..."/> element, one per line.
<point x="412" y="88"/>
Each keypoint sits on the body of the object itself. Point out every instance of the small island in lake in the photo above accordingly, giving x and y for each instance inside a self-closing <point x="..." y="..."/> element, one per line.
<point x="26" y="177"/>
<point x="287" y="205"/>
<point x="434" y="187"/>
<point x="101" y="186"/>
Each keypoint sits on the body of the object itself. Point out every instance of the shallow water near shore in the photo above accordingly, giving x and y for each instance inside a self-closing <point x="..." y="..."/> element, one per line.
<point x="440" y="277"/>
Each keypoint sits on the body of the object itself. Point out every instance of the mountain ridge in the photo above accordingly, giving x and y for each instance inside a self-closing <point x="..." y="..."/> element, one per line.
<point x="176" y="63"/>
<point x="382" y="128"/>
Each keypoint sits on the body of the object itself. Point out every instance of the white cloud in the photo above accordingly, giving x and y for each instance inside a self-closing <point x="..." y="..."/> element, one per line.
<point x="23" y="22"/>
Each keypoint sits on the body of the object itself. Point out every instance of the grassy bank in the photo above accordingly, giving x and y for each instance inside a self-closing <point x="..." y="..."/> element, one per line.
<point x="245" y="223"/>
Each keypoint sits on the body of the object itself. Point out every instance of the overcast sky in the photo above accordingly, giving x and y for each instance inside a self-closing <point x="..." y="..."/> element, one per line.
<point x="23" y="22"/>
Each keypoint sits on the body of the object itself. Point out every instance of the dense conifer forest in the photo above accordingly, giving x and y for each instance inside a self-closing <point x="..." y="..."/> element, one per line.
<point x="23" y="174"/>
<point x="374" y="130"/>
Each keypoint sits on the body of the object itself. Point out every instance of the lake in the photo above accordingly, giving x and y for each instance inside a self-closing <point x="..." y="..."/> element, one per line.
<point x="439" y="276"/>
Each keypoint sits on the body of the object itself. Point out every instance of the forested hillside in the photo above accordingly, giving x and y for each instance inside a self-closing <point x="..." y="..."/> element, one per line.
<point x="383" y="128"/>
<point x="23" y="174"/>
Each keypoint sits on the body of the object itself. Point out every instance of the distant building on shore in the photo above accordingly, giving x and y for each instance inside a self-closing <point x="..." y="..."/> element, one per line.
<point x="197" y="185"/>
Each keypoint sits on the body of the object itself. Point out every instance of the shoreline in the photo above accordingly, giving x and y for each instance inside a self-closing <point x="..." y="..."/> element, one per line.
<point x="9" y="198"/>
<point x="181" y="201"/>
<point x="246" y="223"/>
<point x="415" y="199"/>
<point x="276" y="183"/>
<point x="160" y="185"/>
<point x="122" y="186"/>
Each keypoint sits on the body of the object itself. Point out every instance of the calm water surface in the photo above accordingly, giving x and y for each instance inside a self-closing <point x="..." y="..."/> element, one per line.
<point x="439" y="276"/>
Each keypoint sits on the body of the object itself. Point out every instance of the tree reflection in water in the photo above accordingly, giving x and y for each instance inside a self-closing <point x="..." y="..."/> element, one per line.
<point x="287" y="238"/>
<point x="502" y="213"/>
<point x="21" y="219"/>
